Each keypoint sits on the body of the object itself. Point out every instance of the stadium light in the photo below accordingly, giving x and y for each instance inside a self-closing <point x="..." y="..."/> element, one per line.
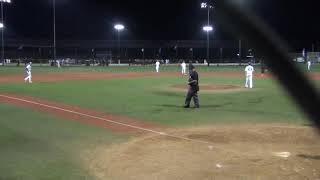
<point x="2" y="27"/>
<point x="207" y="28"/>
<point x="119" y="28"/>
<point x="203" y="5"/>
<point x="54" y="32"/>
<point x="5" y="1"/>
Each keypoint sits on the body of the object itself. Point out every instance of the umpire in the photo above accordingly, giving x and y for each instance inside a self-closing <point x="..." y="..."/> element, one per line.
<point x="193" y="89"/>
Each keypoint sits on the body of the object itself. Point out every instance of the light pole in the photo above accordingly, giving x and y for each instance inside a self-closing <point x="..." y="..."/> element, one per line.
<point x="54" y="31"/>
<point x="240" y="51"/>
<point x="2" y="29"/>
<point x="207" y="28"/>
<point x="2" y="57"/>
<point x="119" y="28"/>
<point x="142" y="50"/>
<point x="251" y="56"/>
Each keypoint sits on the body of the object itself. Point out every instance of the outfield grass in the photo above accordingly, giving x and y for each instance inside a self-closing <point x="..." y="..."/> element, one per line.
<point x="38" y="146"/>
<point x="37" y="69"/>
<point x="12" y="69"/>
<point x="151" y="99"/>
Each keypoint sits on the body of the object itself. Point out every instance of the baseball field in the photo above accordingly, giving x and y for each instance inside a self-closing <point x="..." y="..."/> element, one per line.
<point x="123" y="123"/>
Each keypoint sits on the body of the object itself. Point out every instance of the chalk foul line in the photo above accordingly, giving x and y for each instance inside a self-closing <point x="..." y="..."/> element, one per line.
<point x="106" y="120"/>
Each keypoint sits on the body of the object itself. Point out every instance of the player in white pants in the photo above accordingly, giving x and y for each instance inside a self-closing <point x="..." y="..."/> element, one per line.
<point x="309" y="65"/>
<point x="28" y="73"/>
<point x="58" y="63"/>
<point x="157" y="66"/>
<point x="249" y="76"/>
<point x="183" y="68"/>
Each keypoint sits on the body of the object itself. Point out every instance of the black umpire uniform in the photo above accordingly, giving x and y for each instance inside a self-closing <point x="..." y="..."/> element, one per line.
<point x="193" y="89"/>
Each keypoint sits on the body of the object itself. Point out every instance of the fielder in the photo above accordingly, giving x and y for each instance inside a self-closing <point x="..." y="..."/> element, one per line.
<point x="58" y="63"/>
<point x="309" y="65"/>
<point x="183" y="68"/>
<point x="157" y="66"/>
<point x="249" y="76"/>
<point x="28" y="73"/>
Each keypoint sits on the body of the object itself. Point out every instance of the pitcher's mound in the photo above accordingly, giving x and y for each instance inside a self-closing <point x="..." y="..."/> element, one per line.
<point x="238" y="152"/>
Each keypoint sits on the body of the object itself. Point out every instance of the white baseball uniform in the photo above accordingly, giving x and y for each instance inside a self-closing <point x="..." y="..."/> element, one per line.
<point x="28" y="73"/>
<point x="58" y="63"/>
<point x="157" y="66"/>
<point x="183" y="68"/>
<point x="249" y="76"/>
<point x="309" y="65"/>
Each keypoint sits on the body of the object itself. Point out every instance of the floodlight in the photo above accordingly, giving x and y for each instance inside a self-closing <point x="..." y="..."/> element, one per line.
<point x="207" y="28"/>
<point x="204" y="5"/>
<point x="5" y="1"/>
<point x="119" y="27"/>
<point x="1" y="25"/>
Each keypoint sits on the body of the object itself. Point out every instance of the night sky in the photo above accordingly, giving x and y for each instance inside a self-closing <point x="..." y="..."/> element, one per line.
<point x="150" y="20"/>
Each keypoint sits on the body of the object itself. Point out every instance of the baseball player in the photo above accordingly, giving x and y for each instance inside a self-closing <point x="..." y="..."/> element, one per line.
<point x="249" y="74"/>
<point x="157" y="66"/>
<point x="183" y="68"/>
<point x="58" y="63"/>
<point x="309" y="65"/>
<point x="28" y="73"/>
<point x="193" y="89"/>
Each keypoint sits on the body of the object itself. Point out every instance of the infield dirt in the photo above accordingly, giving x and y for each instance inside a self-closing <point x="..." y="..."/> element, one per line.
<point x="234" y="152"/>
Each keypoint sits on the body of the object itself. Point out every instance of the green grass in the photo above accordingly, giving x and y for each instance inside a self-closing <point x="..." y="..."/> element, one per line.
<point x="38" y="146"/>
<point x="35" y="145"/>
<point x="37" y="69"/>
<point x="115" y="69"/>
<point x="150" y="99"/>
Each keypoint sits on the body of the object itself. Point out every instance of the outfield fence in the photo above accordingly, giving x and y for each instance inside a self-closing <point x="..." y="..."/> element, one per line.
<point x="135" y="52"/>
